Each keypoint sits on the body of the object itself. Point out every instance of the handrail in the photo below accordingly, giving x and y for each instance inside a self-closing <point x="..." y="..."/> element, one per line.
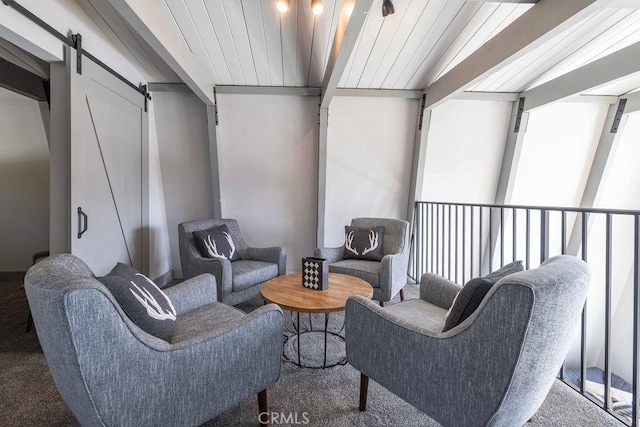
<point x="532" y="207"/>
<point x="464" y="240"/>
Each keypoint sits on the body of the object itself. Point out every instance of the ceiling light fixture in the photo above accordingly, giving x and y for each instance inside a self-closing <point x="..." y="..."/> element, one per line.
<point x="317" y="7"/>
<point x="387" y="8"/>
<point x="283" y="5"/>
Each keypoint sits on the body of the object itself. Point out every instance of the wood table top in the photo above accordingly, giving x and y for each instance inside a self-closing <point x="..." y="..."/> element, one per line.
<point x="288" y="292"/>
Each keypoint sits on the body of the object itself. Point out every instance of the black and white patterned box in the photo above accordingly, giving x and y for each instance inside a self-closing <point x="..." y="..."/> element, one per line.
<point x="315" y="273"/>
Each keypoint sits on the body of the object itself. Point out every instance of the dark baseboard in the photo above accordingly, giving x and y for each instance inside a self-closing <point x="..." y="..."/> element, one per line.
<point x="12" y="275"/>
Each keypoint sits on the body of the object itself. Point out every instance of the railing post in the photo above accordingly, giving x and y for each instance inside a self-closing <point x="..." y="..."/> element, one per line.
<point x="490" y="239"/>
<point x="501" y="237"/>
<point x="636" y="318"/>
<point x="480" y="244"/>
<point x="527" y="256"/>
<point x="473" y="229"/>
<point x="464" y="244"/>
<point x="583" y="329"/>
<point x="544" y="235"/>
<point x="514" y="254"/>
<point x="417" y="239"/>
<point x="607" y="316"/>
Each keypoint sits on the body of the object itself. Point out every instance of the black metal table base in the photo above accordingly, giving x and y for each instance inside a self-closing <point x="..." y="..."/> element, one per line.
<point x="297" y="332"/>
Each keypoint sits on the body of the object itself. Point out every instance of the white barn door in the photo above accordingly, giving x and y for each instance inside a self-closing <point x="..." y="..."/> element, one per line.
<point x="109" y="140"/>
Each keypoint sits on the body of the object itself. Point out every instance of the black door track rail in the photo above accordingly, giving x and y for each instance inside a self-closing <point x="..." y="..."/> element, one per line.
<point x="75" y="41"/>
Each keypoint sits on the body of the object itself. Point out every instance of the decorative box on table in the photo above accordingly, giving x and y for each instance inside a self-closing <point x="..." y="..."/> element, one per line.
<point x="315" y="273"/>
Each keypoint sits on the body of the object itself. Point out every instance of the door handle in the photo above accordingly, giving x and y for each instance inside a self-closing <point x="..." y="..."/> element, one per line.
<point x="82" y="216"/>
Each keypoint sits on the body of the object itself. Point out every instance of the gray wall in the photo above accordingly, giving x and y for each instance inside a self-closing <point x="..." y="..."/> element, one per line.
<point x="24" y="182"/>
<point x="369" y="152"/>
<point x="183" y="149"/>
<point x="267" y="154"/>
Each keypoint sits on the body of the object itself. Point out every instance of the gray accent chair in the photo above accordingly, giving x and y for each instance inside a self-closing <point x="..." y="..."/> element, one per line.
<point x="495" y="368"/>
<point x="387" y="277"/>
<point x="237" y="281"/>
<point x="110" y="372"/>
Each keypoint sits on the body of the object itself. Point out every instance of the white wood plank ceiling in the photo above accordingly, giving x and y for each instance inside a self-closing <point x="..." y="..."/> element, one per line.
<point x="422" y="40"/>
<point x="598" y="35"/>
<point x="248" y="42"/>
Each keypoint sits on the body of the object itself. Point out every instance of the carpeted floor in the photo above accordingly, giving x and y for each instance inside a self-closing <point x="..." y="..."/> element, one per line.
<point x="313" y="397"/>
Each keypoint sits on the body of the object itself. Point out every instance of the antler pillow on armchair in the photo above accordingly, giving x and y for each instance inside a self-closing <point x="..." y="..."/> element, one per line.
<point x="143" y="301"/>
<point x="363" y="243"/>
<point x="216" y="242"/>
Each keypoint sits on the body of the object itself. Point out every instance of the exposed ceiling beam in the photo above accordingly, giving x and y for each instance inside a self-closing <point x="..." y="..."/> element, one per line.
<point x="353" y="15"/>
<point x="487" y="96"/>
<point x="112" y="25"/>
<point x="22" y="59"/>
<point x="625" y="4"/>
<point x="268" y="90"/>
<point x="601" y="166"/>
<point x="19" y="80"/>
<point x="150" y="20"/>
<point x="507" y="1"/>
<point x="633" y="102"/>
<point x="543" y="21"/>
<point x="381" y="93"/>
<point x="27" y="35"/>
<point x="612" y="67"/>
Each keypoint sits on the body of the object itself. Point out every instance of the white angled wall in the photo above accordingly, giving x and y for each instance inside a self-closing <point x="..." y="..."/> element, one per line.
<point x="464" y="151"/>
<point x="183" y="150"/>
<point x="557" y="152"/>
<point x="267" y="149"/>
<point x="24" y="182"/>
<point x="369" y="155"/>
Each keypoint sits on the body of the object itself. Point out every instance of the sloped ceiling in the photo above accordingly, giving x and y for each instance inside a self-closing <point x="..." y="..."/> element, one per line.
<point x="248" y="42"/>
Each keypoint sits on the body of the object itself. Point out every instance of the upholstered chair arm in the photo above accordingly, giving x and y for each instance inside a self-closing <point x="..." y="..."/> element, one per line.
<point x="274" y="254"/>
<point x="393" y="274"/>
<point x="265" y="318"/>
<point x="193" y="293"/>
<point x="330" y="254"/>
<point x="437" y="290"/>
<point x="433" y="369"/>
<point x="220" y="268"/>
<point x="199" y="372"/>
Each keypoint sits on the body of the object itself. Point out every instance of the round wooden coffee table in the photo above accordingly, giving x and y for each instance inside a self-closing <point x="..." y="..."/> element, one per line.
<point x="288" y="292"/>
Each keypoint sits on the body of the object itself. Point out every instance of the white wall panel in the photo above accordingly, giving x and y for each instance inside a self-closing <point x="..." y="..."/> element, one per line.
<point x="267" y="152"/>
<point x="369" y="154"/>
<point x="24" y="182"/>
<point x="181" y="126"/>
<point x="464" y="151"/>
<point x="557" y="152"/>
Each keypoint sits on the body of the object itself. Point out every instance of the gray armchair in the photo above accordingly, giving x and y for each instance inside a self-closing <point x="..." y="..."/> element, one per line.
<point x="494" y="368"/>
<point x="237" y="281"/>
<point x="111" y="372"/>
<point x="387" y="277"/>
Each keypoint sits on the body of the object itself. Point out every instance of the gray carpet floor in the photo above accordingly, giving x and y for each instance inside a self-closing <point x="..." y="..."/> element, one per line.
<point x="321" y="397"/>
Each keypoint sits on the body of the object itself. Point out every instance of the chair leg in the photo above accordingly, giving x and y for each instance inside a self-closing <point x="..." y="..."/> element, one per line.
<point x="29" y="322"/>
<point x="364" y="388"/>
<point x="262" y="408"/>
<point x="381" y="303"/>
<point x="402" y="294"/>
